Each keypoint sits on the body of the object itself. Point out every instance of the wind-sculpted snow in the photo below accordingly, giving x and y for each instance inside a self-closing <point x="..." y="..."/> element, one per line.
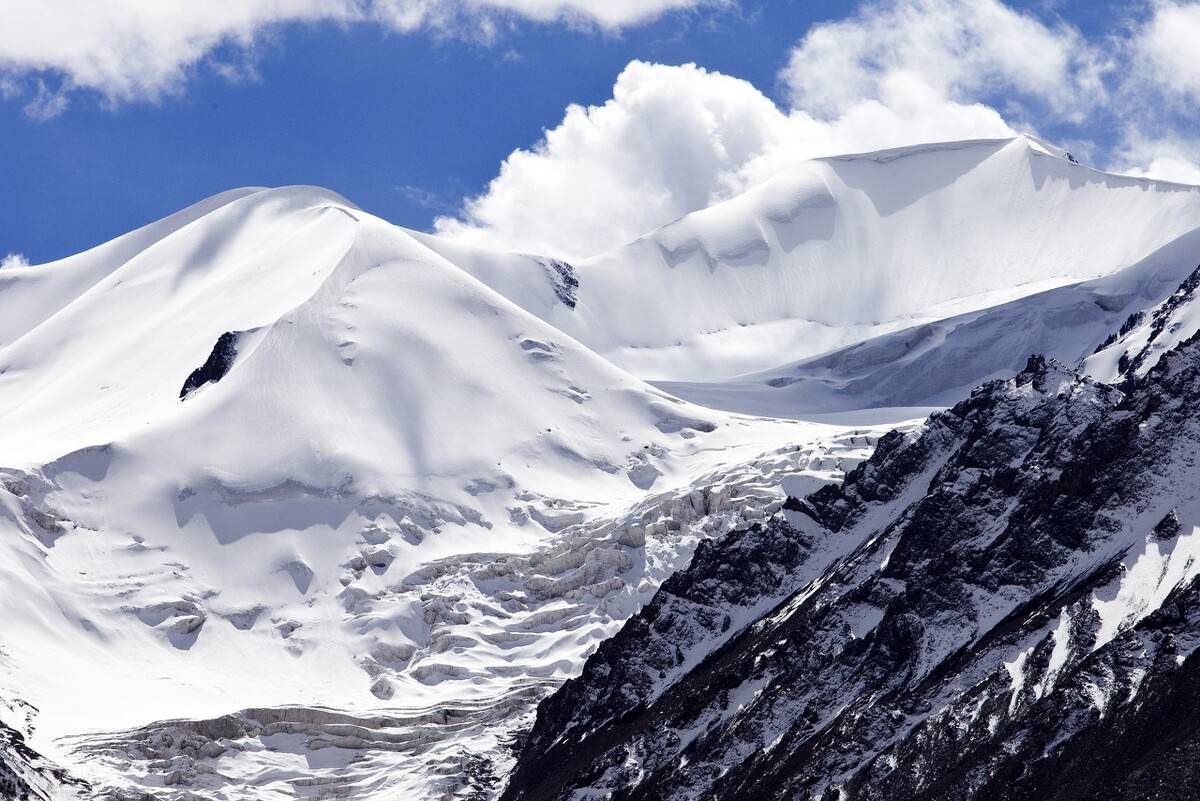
<point x="1000" y="606"/>
<point x="843" y="250"/>
<point x="936" y="363"/>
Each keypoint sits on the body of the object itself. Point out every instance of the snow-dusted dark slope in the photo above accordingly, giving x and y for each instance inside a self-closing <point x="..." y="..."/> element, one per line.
<point x="1147" y="333"/>
<point x="25" y="775"/>
<point x="1002" y="605"/>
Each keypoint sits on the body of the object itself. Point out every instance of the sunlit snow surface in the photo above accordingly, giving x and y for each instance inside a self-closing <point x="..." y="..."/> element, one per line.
<point x="429" y="484"/>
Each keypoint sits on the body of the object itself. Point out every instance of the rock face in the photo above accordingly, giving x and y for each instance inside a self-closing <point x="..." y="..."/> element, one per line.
<point x="26" y="775"/>
<point x="12" y="782"/>
<point x="564" y="279"/>
<point x="1004" y="604"/>
<point x="215" y="366"/>
<point x="1143" y="338"/>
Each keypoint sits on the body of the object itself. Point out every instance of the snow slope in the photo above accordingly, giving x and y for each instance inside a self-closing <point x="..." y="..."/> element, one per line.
<point x="935" y="363"/>
<point x="34" y="293"/>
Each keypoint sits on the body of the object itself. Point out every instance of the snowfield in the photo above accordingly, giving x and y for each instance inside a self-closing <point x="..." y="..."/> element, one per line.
<point x="296" y="502"/>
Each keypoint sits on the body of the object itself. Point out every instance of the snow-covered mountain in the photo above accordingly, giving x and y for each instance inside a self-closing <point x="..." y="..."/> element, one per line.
<point x="296" y="501"/>
<point x="274" y="451"/>
<point x="899" y="278"/>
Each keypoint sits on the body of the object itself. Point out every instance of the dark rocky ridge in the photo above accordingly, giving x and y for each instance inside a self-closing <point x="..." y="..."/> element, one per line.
<point x="944" y="625"/>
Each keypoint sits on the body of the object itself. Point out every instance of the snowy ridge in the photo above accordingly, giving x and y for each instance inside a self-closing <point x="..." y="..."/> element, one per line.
<point x="34" y="293"/>
<point x="841" y="250"/>
<point x="936" y="363"/>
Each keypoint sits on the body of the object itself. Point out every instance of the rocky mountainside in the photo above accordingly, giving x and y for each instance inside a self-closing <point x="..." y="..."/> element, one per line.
<point x="1004" y="604"/>
<point x="1147" y="333"/>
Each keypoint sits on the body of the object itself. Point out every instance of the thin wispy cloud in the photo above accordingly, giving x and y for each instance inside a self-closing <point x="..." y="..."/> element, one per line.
<point x="427" y="199"/>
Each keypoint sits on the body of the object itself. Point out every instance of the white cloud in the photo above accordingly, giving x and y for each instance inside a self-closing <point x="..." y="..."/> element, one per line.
<point x="1155" y="96"/>
<point x="676" y="139"/>
<point x="1181" y="169"/>
<point x="669" y="141"/>
<point x="142" y="49"/>
<point x="610" y="14"/>
<point x="960" y="50"/>
<point x="906" y="110"/>
<point x="46" y="103"/>
<point x="1167" y="158"/>
<point x="13" y="260"/>
<point x="1168" y="49"/>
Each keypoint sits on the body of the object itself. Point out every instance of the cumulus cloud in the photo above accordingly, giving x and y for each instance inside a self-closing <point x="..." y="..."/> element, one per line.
<point x="142" y="49"/>
<point x="676" y="139"/>
<point x="669" y="141"/>
<point x="14" y="260"/>
<point x="958" y="50"/>
<point x="1167" y="52"/>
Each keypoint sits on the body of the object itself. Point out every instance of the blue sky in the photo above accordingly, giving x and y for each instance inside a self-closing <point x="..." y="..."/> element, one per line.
<point x="408" y="125"/>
